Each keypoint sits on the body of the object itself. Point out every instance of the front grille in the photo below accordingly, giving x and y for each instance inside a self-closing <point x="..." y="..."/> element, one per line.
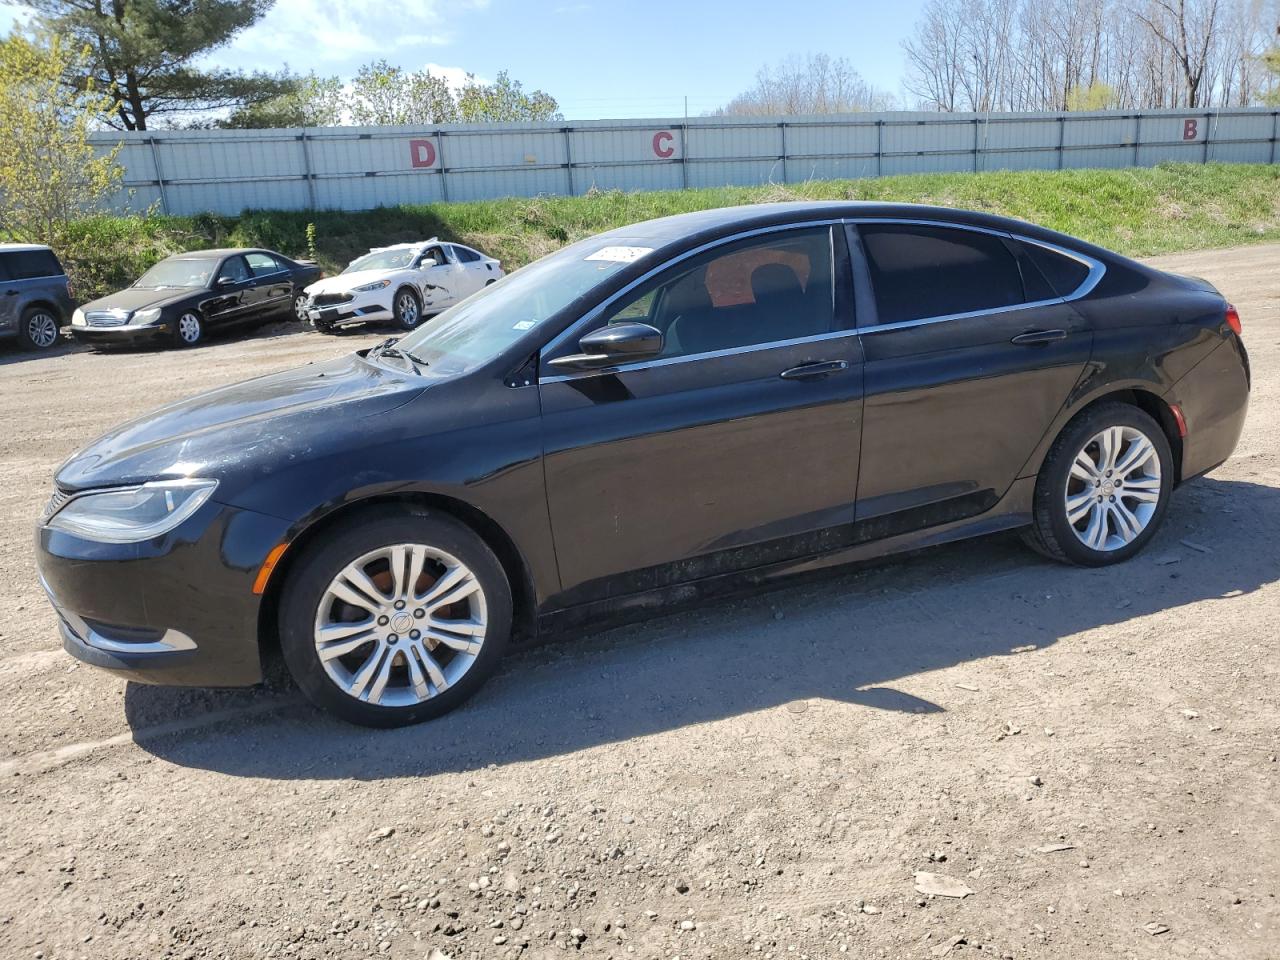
<point x="106" y="319"/>
<point x="330" y="299"/>
<point x="56" y="502"/>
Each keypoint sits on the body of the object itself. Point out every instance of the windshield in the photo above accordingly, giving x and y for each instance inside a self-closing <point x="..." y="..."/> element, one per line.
<point x="482" y="326"/>
<point x="178" y="272"/>
<point x="383" y="260"/>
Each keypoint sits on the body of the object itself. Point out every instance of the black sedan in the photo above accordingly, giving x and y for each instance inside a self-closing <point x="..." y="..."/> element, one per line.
<point x="184" y="296"/>
<point x="658" y="413"/>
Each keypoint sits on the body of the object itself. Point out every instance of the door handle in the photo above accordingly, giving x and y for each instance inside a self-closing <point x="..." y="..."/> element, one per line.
<point x="1037" y="337"/>
<point x="812" y="371"/>
<point x="11" y="293"/>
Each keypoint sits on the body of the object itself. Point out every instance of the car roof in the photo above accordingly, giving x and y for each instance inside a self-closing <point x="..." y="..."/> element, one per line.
<point x="217" y="252"/>
<point x="705" y="225"/>
<point x="22" y="247"/>
<point x="410" y="245"/>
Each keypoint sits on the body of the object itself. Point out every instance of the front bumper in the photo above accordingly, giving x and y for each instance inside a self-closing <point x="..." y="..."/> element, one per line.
<point x="360" y="308"/>
<point x="121" y="334"/>
<point x="179" y="609"/>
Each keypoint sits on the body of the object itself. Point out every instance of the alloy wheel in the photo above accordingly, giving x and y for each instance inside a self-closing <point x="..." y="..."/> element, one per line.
<point x="400" y="624"/>
<point x="1113" y="489"/>
<point x="407" y="309"/>
<point x="300" y="307"/>
<point x="42" y="329"/>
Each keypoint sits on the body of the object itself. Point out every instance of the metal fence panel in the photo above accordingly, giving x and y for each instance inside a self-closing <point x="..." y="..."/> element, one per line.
<point x="358" y="168"/>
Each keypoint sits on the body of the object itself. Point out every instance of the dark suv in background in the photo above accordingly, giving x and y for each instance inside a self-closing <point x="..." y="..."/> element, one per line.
<point x="35" y="295"/>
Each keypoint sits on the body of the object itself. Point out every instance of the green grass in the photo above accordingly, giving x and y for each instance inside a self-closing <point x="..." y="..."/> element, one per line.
<point x="1134" y="211"/>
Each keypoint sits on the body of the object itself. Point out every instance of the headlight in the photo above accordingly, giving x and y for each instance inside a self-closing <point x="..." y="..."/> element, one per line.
<point x="132" y="514"/>
<point x="368" y="287"/>
<point x="77" y="318"/>
<point x="149" y="315"/>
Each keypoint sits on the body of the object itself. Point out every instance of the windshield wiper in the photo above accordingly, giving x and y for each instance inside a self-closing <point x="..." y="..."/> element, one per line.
<point x="387" y="348"/>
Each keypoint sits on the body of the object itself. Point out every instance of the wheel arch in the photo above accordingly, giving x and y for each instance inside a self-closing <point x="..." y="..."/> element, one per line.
<point x="1135" y="395"/>
<point x="47" y="304"/>
<point x="514" y="565"/>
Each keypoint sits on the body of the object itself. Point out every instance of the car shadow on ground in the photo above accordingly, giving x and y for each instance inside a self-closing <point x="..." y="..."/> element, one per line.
<point x="845" y="636"/>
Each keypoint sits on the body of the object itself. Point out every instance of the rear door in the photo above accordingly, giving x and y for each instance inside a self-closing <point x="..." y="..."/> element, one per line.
<point x="737" y="446"/>
<point x="270" y="285"/>
<point x="473" y="268"/>
<point x="969" y="357"/>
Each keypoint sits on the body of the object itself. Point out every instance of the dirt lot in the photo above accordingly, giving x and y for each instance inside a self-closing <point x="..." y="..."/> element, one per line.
<point x="760" y="777"/>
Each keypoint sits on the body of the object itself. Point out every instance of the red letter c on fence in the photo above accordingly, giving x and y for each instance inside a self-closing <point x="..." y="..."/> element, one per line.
<point x="422" y="153"/>
<point x="662" y="144"/>
<point x="1190" y="129"/>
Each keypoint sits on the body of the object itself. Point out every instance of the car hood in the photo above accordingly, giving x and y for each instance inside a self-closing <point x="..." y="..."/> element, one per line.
<point x="239" y="432"/>
<point x="134" y="298"/>
<point x="349" y="281"/>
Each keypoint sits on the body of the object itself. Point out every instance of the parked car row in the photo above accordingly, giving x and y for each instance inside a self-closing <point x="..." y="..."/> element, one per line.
<point x="183" y="297"/>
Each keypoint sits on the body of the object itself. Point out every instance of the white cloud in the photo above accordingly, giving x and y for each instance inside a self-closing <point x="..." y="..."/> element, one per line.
<point x="313" y="34"/>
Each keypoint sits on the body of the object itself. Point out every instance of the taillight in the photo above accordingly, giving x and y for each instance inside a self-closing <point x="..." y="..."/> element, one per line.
<point x="71" y="291"/>
<point x="1233" y="319"/>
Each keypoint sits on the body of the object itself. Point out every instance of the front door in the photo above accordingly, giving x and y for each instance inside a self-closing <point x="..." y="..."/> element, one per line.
<point x="968" y="360"/>
<point x="736" y="447"/>
<point x="231" y="292"/>
<point x="443" y="281"/>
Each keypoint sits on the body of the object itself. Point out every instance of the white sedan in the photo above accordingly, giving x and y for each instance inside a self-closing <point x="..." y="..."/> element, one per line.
<point x="404" y="283"/>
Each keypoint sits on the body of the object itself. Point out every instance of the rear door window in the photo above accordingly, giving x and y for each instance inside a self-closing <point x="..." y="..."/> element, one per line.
<point x="920" y="271"/>
<point x="466" y="254"/>
<point x="261" y="264"/>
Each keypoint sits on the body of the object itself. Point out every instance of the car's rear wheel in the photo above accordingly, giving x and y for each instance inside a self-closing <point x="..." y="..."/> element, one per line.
<point x="396" y="617"/>
<point x="38" y="329"/>
<point x="1104" y="487"/>
<point x="300" y="307"/>
<point x="407" y="309"/>
<point x="188" y="330"/>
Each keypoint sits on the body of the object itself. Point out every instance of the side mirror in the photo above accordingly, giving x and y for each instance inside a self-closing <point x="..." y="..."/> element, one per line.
<point x="227" y="281"/>
<point x="428" y="263"/>
<point x="611" y="345"/>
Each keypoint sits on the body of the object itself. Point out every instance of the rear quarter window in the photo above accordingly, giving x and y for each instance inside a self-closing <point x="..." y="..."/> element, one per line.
<point x="30" y="264"/>
<point x="1064" y="274"/>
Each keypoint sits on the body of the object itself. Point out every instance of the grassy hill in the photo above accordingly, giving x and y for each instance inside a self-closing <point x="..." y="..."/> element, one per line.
<point x="1135" y="211"/>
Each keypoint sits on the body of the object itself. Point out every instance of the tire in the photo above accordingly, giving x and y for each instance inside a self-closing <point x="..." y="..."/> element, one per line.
<point x="376" y="676"/>
<point x="1111" y="523"/>
<point x="38" y="329"/>
<point x="407" y="309"/>
<point x="188" y="329"/>
<point x="300" y="307"/>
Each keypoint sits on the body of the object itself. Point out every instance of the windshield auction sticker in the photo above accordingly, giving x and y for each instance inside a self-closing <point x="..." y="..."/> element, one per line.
<point x="620" y="254"/>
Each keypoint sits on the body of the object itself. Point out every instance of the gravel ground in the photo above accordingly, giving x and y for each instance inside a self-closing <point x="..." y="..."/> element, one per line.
<point x="1091" y="753"/>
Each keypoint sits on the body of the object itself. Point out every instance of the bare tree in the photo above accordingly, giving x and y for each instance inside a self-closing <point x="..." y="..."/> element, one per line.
<point x="1090" y="54"/>
<point x="816" y="84"/>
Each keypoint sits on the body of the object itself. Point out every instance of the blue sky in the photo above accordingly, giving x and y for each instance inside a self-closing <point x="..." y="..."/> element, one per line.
<point x="625" y="58"/>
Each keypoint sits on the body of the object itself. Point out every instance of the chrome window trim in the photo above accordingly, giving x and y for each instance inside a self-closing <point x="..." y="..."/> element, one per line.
<point x="1096" y="271"/>
<point x="595" y="313"/>
<point x="709" y="355"/>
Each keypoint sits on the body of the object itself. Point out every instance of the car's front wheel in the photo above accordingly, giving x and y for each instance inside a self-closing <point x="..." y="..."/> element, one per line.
<point x="1104" y="487"/>
<point x="188" y="330"/>
<point x="396" y="617"/>
<point x="407" y="309"/>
